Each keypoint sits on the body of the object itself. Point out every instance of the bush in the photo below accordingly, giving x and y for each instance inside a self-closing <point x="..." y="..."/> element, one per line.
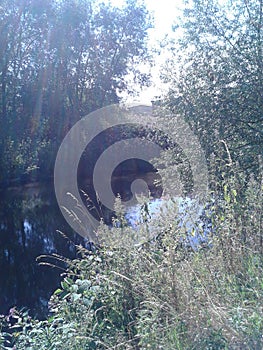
<point x="160" y="293"/>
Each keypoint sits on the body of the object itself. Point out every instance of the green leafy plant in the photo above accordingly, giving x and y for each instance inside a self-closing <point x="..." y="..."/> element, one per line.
<point x="160" y="293"/>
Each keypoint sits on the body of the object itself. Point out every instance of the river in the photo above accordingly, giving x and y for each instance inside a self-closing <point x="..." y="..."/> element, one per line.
<point x="29" y="220"/>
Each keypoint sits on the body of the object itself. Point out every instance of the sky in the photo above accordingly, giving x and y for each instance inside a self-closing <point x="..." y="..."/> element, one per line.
<point x="164" y="13"/>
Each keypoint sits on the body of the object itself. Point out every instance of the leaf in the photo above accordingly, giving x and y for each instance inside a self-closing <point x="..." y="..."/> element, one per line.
<point x="75" y="297"/>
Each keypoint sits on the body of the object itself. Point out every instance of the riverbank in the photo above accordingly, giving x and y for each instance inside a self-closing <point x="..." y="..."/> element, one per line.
<point x="160" y="294"/>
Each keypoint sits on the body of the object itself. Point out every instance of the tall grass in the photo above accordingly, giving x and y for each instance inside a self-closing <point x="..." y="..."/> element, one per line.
<point x="161" y="293"/>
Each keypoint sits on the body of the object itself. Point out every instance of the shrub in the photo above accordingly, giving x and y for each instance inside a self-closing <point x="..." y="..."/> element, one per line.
<point x="160" y="293"/>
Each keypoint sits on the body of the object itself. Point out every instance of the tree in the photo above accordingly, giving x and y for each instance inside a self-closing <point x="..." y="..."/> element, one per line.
<point x="219" y="85"/>
<point x="59" y="61"/>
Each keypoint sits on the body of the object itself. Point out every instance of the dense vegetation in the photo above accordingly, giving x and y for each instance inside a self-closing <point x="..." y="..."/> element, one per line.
<point x="162" y="293"/>
<point x="59" y="61"/>
<point x="218" y="86"/>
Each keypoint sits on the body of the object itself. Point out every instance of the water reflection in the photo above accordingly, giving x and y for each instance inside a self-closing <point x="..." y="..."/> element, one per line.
<point x="189" y="215"/>
<point x="29" y="218"/>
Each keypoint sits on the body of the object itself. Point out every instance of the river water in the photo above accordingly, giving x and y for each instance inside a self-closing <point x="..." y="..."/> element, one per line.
<point x="29" y="220"/>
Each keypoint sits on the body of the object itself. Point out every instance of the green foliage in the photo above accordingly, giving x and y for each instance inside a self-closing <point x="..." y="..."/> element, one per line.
<point x="64" y="59"/>
<point x="160" y="293"/>
<point x="59" y="61"/>
<point x="218" y="84"/>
